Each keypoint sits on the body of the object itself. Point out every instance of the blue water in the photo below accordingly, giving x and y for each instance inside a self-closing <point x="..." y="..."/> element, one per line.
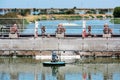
<point x="69" y="76"/>
<point x="51" y="25"/>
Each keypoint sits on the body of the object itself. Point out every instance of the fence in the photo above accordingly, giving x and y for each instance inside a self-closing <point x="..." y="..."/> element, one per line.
<point x="51" y="26"/>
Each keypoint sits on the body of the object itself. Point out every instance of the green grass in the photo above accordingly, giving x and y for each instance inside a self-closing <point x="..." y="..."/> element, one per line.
<point x="115" y="21"/>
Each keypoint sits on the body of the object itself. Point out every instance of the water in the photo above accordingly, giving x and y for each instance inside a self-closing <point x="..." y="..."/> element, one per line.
<point x="51" y="25"/>
<point x="87" y="69"/>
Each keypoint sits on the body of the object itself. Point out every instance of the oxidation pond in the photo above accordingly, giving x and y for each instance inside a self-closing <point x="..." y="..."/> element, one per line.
<point x="86" y="69"/>
<point x="51" y="26"/>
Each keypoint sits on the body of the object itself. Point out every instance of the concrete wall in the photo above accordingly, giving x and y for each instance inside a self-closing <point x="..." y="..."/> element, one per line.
<point x="87" y="44"/>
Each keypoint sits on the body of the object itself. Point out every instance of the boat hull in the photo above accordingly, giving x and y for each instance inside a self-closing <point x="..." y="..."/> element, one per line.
<point x="58" y="63"/>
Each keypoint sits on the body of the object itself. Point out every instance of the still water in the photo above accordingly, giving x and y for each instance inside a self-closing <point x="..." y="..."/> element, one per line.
<point x="51" y="26"/>
<point x="85" y="69"/>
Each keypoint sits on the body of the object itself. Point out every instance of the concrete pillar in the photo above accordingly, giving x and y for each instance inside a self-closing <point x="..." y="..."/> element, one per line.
<point x="84" y="29"/>
<point x="36" y="29"/>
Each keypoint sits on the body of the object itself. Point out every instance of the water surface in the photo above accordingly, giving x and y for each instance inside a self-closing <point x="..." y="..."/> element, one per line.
<point x="86" y="69"/>
<point x="51" y="25"/>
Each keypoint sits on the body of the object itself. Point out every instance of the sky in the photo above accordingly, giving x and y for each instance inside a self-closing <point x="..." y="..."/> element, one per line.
<point x="59" y="3"/>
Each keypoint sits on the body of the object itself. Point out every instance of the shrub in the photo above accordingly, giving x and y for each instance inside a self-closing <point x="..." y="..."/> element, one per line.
<point x="116" y="12"/>
<point x="44" y="18"/>
<point x="99" y="16"/>
<point x="115" y="20"/>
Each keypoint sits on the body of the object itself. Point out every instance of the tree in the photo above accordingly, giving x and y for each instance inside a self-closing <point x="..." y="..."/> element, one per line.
<point x="116" y="12"/>
<point x="70" y="11"/>
<point x="101" y="12"/>
<point x="74" y="7"/>
<point x="44" y="11"/>
<point x="25" y="12"/>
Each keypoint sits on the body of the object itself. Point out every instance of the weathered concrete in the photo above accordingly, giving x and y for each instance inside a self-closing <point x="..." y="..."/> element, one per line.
<point x="76" y="44"/>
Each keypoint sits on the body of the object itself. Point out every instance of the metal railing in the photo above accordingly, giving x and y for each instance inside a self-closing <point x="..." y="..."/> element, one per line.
<point x="24" y="28"/>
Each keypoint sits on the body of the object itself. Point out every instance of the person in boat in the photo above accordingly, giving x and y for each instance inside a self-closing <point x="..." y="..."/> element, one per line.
<point x="54" y="57"/>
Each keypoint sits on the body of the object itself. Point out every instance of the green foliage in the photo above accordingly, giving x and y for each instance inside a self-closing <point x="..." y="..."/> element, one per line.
<point x="9" y="15"/>
<point x="99" y="16"/>
<point x="116" y="12"/>
<point x="25" y="12"/>
<point x="43" y="11"/>
<point x="91" y="16"/>
<point x="74" y="7"/>
<point x="77" y="17"/>
<point x="86" y="17"/>
<point x="9" y="19"/>
<point x="108" y="16"/>
<point x="44" y="18"/>
<point x="70" y="11"/>
<point x="102" y="12"/>
<point x="115" y="20"/>
<point x="88" y="12"/>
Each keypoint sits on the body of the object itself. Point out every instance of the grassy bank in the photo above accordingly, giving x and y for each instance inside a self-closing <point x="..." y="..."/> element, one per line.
<point x="32" y="18"/>
<point x="115" y="20"/>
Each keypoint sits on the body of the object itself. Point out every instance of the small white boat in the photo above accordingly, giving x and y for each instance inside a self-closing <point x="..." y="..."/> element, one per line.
<point x="55" y="61"/>
<point x="69" y="24"/>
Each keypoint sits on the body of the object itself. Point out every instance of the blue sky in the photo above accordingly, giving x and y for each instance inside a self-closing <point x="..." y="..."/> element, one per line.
<point x="59" y="3"/>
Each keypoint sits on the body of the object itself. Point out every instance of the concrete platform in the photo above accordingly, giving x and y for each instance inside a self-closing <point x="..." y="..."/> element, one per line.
<point x="62" y="44"/>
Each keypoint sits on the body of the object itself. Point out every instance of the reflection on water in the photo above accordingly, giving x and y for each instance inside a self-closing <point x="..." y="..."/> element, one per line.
<point x="87" y="69"/>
